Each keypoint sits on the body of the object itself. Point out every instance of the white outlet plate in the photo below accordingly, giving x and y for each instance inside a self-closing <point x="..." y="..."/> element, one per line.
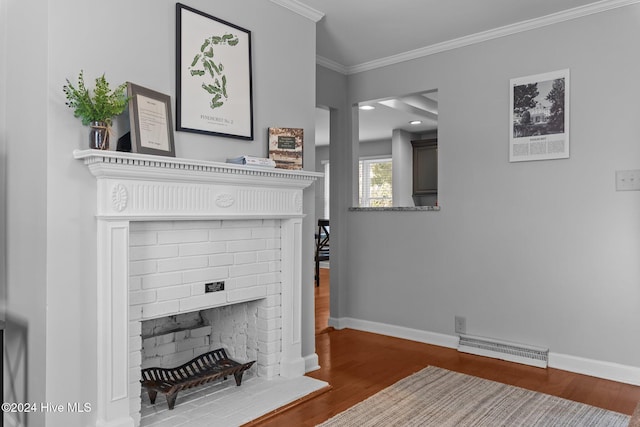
<point x="628" y="180"/>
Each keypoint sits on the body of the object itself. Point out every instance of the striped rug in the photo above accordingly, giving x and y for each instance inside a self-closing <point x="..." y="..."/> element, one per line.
<point x="438" y="397"/>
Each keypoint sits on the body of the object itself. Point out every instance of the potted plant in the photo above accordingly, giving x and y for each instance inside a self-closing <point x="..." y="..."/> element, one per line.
<point x="96" y="110"/>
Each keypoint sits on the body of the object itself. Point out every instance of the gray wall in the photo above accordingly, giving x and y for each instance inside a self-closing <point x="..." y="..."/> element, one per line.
<point x="51" y="239"/>
<point x="544" y="253"/>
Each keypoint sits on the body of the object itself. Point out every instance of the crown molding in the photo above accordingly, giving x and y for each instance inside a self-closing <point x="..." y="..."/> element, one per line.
<point x="332" y="65"/>
<point x="507" y="30"/>
<point x="301" y="9"/>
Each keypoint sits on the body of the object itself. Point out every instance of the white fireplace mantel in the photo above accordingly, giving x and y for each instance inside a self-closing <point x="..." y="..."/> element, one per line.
<point x="135" y="187"/>
<point x="145" y="187"/>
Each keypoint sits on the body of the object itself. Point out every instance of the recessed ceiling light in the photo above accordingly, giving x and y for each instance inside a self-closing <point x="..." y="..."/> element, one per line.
<point x="367" y="107"/>
<point x="415" y="122"/>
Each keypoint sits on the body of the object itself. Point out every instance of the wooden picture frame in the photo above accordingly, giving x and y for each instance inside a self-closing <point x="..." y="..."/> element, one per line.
<point x="151" y="121"/>
<point x="214" y="90"/>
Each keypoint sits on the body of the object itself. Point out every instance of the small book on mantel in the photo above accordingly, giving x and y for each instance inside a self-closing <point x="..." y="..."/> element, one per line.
<point x="253" y="161"/>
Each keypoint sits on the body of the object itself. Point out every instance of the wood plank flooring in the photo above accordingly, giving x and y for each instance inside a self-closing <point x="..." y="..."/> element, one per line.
<point x="359" y="364"/>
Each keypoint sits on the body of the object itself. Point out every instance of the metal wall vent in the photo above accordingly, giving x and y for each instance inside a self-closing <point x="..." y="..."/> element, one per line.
<point x="513" y="352"/>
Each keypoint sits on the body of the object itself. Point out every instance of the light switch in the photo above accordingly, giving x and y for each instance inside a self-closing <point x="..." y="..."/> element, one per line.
<point x="628" y="180"/>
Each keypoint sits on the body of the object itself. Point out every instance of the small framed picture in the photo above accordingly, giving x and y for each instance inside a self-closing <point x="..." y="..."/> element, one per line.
<point x="151" y="124"/>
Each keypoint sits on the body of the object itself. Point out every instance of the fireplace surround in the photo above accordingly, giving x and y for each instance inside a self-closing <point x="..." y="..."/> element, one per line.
<point x="133" y="188"/>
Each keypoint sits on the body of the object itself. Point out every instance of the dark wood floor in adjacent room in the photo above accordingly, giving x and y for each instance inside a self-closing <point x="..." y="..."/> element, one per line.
<point x="359" y="364"/>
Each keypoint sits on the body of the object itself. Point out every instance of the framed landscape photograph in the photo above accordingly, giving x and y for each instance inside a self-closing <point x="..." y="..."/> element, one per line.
<point x="539" y="117"/>
<point x="214" y="93"/>
<point x="151" y="124"/>
<point x="285" y="147"/>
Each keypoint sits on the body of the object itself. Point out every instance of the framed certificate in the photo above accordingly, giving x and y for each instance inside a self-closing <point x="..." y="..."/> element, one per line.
<point x="151" y="125"/>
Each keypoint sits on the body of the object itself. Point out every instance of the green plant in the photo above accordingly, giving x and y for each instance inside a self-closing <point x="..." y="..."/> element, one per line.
<point x="99" y="107"/>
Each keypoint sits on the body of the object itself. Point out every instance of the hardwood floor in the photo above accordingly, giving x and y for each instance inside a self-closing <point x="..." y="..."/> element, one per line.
<point x="359" y="364"/>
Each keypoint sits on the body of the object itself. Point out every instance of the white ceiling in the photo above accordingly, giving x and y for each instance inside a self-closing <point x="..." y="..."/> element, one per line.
<point x="357" y="35"/>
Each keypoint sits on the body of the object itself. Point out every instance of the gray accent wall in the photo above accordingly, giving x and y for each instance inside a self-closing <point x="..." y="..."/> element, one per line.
<point x="544" y="253"/>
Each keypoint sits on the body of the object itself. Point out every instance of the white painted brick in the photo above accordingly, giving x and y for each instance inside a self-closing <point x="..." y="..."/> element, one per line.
<point x="273" y="300"/>
<point x="269" y="324"/>
<point x="269" y="278"/>
<point x="151" y="225"/>
<point x="273" y="244"/>
<point x="180" y="335"/>
<point x="135" y="328"/>
<point x="202" y="301"/>
<point x="205" y="274"/>
<point x="241" y="223"/>
<point x="177" y="359"/>
<point x="271" y="223"/>
<point x="265" y="233"/>
<point x="160" y="309"/>
<point x="183" y="263"/>
<point x="195" y="225"/>
<point x="248" y="269"/>
<point x="165" y="338"/>
<point x="163" y="350"/>
<point x="246" y="245"/>
<point x="149" y="343"/>
<point x="206" y="248"/>
<point x="139" y="253"/>
<point x="135" y="375"/>
<point x="269" y="255"/>
<point x="220" y="260"/>
<point x="269" y="313"/>
<point x="270" y="336"/>
<point x="135" y="358"/>
<point x="182" y="236"/>
<point x="200" y="332"/>
<point x="269" y="359"/>
<point x="274" y="288"/>
<point x="191" y="343"/>
<point x="161" y="280"/>
<point x="151" y="362"/>
<point x="245" y="258"/>
<point x="135" y="343"/>
<point x="197" y="289"/>
<point x="241" y="282"/>
<point x="270" y="347"/>
<point x="275" y="266"/>
<point x="135" y="283"/>
<point x="137" y="268"/>
<point x="226" y="234"/>
<point x="135" y="312"/>
<point x="144" y="238"/>
<point x="269" y="372"/>
<point x="142" y="297"/>
<point x="247" y="294"/>
<point x="174" y="292"/>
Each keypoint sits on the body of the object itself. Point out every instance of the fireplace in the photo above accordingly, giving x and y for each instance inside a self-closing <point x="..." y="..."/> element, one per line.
<point x="139" y="192"/>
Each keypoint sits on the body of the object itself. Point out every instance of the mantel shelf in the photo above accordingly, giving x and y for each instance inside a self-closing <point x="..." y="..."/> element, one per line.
<point x="144" y="187"/>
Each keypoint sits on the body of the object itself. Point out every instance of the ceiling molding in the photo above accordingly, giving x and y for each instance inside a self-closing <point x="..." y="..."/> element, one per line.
<point x="555" y="18"/>
<point x="301" y="9"/>
<point x="332" y="65"/>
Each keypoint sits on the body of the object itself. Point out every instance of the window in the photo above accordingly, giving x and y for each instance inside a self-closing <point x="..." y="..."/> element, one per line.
<point x="375" y="183"/>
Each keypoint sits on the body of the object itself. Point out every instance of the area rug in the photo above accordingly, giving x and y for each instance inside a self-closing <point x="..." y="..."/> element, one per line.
<point x="438" y="397"/>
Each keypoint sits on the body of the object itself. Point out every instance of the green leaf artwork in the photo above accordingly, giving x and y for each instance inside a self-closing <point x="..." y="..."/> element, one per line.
<point x="204" y="65"/>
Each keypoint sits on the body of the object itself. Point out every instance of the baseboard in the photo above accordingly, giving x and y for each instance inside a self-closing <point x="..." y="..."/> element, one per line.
<point x="596" y="368"/>
<point x="311" y="363"/>
<point x="579" y="365"/>
<point x="396" y="331"/>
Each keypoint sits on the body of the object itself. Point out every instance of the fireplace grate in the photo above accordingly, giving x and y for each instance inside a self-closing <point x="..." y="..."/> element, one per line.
<point x="203" y="369"/>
